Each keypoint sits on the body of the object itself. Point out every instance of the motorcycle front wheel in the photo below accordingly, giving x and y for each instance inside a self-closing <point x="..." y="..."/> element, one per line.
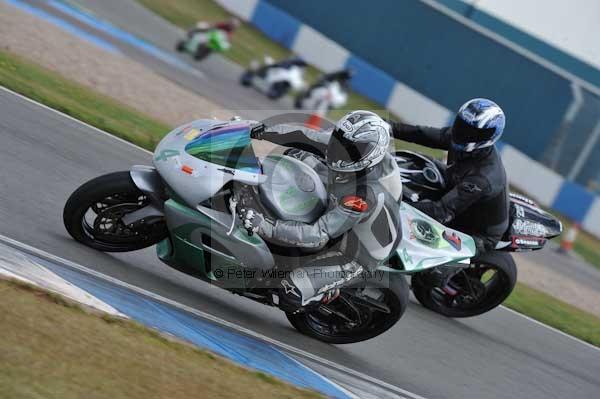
<point x="358" y="314"/>
<point x="202" y="52"/>
<point x="92" y="215"/>
<point x="480" y="288"/>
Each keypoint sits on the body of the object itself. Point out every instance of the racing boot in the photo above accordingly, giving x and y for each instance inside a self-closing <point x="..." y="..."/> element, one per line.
<point x="317" y="283"/>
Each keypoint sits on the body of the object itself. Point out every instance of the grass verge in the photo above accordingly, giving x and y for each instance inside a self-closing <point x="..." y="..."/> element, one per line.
<point x="53" y="348"/>
<point x="555" y="313"/>
<point x="51" y="89"/>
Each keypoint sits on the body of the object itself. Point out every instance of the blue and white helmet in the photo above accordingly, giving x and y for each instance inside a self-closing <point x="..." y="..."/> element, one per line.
<point x="478" y="124"/>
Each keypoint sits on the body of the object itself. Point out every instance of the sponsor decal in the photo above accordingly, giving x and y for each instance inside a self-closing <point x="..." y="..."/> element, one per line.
<point x="424" y="232"/>
<point x="520" y="211"/>
<point x="183" y="130"/>
<point x="347" y="125"/>
<point x="453" y="239"/>
<point x="347" y="277"/>
<point x="187" y="169"/>
<point x="527" y="242"/>
<point x="355" y="203"/>
<point x="164" y="155"/>
<point x="289" y="288"/>
<point x="529" y="228"/>
<point x="471" y="187"/>
<point x="192" y="134"/>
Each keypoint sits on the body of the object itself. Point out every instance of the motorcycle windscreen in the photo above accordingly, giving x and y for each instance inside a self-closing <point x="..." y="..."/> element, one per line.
<point x="229" y="146"/>
<point x="427" y="243"/>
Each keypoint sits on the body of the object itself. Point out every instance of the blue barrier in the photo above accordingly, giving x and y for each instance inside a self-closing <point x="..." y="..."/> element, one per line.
<point x="276" y="24"/>
<point x="370" y="81"/>
<point x="573" y="201"/>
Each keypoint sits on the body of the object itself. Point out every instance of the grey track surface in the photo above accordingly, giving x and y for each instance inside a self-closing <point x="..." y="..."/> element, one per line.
<point x="44" y="157"/>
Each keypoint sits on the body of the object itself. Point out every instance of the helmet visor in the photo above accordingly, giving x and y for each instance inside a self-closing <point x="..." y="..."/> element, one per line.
<point x="463" y="133"/>
<point x="346" y="151"/>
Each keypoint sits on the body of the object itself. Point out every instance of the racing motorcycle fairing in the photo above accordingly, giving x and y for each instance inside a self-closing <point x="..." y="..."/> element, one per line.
<point x="205" y="155"/>
<point x="214" y="39"/>
<point x="426" y="243"/>
<point x="530" y="226"/>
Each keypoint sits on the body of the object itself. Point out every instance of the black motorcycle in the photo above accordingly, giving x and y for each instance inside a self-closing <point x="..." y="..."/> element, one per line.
<point x="490" y="277"/>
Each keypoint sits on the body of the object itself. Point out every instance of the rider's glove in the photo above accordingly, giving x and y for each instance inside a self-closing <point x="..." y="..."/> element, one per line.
<point x="257" y="131"/>
<point x="253" y="221"/>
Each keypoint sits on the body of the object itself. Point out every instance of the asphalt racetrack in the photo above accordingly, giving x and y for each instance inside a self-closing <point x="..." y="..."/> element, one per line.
<point x="44" y="156"/>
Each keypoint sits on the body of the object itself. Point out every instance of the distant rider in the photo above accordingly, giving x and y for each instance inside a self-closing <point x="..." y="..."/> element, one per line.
<point x="228" y="26"/>
<point x="476" y="201"/>
<point x="361" y="226"/>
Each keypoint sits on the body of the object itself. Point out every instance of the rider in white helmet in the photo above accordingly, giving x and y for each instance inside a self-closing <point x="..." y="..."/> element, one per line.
<point x="361" y="226"/>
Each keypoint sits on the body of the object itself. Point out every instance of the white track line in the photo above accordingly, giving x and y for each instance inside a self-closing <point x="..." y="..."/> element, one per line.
<point x="207" y="316"/>
<point x="148" y="152"/>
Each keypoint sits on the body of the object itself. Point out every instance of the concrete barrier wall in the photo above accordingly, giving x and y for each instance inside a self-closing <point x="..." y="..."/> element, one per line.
<point x="416" y="105"/>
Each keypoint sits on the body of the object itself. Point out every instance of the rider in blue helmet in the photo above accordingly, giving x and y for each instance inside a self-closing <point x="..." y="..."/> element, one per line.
<point x="476" y="201"/>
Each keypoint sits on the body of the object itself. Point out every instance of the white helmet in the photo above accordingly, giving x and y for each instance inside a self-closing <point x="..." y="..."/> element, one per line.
<point x="359" y="141"/>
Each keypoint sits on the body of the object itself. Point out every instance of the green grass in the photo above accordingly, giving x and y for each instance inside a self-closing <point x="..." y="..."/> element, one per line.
<point x="555" y="313"/>
<point x="53" y="348"/>
<point x="50" y="88"/>
<point x="248" y="43"/>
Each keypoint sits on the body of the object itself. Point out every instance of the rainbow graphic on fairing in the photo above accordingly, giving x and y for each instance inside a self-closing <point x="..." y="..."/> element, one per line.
<point x="229" y="146"/>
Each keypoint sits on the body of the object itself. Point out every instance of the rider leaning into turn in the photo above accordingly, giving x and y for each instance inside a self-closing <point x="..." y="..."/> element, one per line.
<point x="361" y="226"/>
<point x="228" y="26"/>
<point x="476" y="201"/>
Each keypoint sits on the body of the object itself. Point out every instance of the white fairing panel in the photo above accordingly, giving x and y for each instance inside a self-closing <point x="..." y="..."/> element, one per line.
<point x="194" y="179"/>
<point x="427" y="243"/>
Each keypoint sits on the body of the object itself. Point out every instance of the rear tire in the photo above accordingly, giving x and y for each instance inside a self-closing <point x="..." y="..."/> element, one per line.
<point x="106" y="199"/>
<point x="492" y="293"/>
<point x="278" y="90"/>
<point x="314" y="324"/>
<point x="180" y="46"/>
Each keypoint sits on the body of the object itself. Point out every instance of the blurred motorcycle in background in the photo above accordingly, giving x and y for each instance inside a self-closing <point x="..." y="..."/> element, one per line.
<point x="204" y="39"/>
<point x="329" y="92"/>
<point x="275" y="79"/>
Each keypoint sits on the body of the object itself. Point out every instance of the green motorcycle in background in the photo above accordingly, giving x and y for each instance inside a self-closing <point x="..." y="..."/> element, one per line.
<point x="202" y="44"/>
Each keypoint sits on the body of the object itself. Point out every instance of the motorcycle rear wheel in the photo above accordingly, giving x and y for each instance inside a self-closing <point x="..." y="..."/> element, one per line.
<point x="92" y="215"/>
<point x="325" y="326"/>
<point x="482" y="287"/>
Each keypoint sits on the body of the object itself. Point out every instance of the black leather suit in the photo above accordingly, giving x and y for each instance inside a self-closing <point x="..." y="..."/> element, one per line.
<point x="476" y="201"/>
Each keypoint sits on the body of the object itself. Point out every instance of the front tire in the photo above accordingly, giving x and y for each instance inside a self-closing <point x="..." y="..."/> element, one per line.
<point x="201" y="53"/>
<point x="246" y="78"/>
<point x="482" y="287"/>
<point x="319" y="323"/>
<point x="92" y="215"/>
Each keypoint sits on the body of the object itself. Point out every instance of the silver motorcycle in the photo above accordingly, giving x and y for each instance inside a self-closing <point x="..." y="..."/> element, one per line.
<point x="187" y="205"/>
